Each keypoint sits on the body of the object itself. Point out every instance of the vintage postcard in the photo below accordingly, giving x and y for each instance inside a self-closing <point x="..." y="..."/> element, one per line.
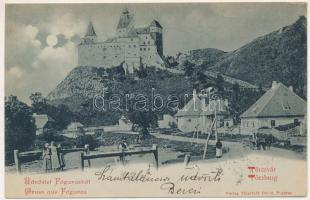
<point x="156" y="100"/>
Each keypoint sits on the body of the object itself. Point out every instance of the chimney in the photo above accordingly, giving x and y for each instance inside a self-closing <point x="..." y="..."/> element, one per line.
<point x="274" y="84"/>
<point x="291" y="88"/>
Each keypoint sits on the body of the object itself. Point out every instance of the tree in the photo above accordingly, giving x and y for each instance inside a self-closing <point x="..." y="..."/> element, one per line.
<point x="141" y="72"/>
<point x="19" y="127"/>
<point x="144" y="120"/>
<point x="219" y="83"/>
<point x="38" y="103"/>
<point x="189" y="68"/>
<point x="61" y="113"/>
<point x="235" y="101"/>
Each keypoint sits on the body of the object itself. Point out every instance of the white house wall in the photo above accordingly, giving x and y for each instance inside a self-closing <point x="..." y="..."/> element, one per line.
<point x="251" y="125"/>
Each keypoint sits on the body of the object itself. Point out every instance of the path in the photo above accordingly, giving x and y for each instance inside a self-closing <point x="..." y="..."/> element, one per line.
<point x="187" y="139"/>
<point x="236" y="149"/>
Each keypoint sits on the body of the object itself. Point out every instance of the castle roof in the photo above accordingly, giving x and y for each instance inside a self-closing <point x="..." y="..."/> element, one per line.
<point x="156" y="24"/>
<point x="90" y="30"/>
<point x="141" y="30"/>
<point x="279" y="101"/>
<point x="125" y="19"/>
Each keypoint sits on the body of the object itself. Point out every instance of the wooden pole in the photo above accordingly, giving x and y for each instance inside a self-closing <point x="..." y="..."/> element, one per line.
<point x="216" y="136"/>
<point x="87" y="151"/>
<point x="155" y="147"/>
<point x="82" y="161"/>
<point x="187" y="159"/>
<point x="16" y="160"/>
<point x="122" y="157"/>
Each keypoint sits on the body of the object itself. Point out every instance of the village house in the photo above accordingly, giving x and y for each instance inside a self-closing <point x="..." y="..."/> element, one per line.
<point x="198" y="115"/>
<point x="74" y="130"/>
<point x="43" y="123"/>
<point x="124" y="124"/>
<point x="277" y="107"/>
<point x="167" y="121"/>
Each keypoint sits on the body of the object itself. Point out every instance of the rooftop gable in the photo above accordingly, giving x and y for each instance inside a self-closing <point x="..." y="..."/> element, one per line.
<point x="279" y="101"/>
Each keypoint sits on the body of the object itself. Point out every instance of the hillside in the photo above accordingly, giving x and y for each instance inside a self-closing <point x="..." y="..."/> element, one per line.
<point x="280" y="55"/>
<point x="83" y="83"/>
<point x="208" y="57"/>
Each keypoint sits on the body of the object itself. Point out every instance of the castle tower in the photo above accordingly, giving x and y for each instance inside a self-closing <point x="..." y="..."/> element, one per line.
<point x="157" y="35"/>
<point x="90" y="36"/>
<point x="125" y="23"/>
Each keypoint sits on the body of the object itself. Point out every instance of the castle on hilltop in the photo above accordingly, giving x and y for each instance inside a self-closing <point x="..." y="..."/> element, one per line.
<point x="130" y="47"/>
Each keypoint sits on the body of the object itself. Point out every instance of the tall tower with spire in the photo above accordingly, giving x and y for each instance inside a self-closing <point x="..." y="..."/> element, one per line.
<point x="90" y="36"/>
<point x="125" y="23"/>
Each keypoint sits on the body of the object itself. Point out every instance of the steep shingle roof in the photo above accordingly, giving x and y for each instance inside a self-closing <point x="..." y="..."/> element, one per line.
<point x="75" y="125"/>
<point x="192" y="108"/>
<point x="218" y="105"/>
<point x="90" y="30"/>
<point x="156" y="24"/>
<point x="125" y="19"/>
<point x="279" y="101"/>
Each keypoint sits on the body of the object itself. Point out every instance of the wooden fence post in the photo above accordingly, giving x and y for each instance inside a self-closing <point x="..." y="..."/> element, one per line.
<point x="16" y="160"/>
<point x="87" y="151"/>
<point x="82" y="161"/>
<point x="122" y="157"/>
<point x="155" y="148"/>
<point x="187" y="159"/>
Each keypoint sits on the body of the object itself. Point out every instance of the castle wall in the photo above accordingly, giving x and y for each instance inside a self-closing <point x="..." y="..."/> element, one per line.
<point x="143" y="47"/>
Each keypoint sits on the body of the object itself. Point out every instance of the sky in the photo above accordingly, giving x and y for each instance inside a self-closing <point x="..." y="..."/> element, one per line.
<point x="41" y="39"/>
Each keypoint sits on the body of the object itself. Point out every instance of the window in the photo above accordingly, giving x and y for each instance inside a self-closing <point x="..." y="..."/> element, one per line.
<point x="129" y="46"/>
<point x="273" y="123"/>
<point x="149" y="49"/>
<point x="286" y="106"/>
<point x="149" y="42"/>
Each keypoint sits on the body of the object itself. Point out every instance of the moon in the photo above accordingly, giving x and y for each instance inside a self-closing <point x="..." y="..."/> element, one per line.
<point x="51" y="40"/>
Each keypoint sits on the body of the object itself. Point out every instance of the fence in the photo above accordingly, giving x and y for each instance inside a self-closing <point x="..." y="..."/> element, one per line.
<point x="121" y="154"/>
<point x="18" y="155"/>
